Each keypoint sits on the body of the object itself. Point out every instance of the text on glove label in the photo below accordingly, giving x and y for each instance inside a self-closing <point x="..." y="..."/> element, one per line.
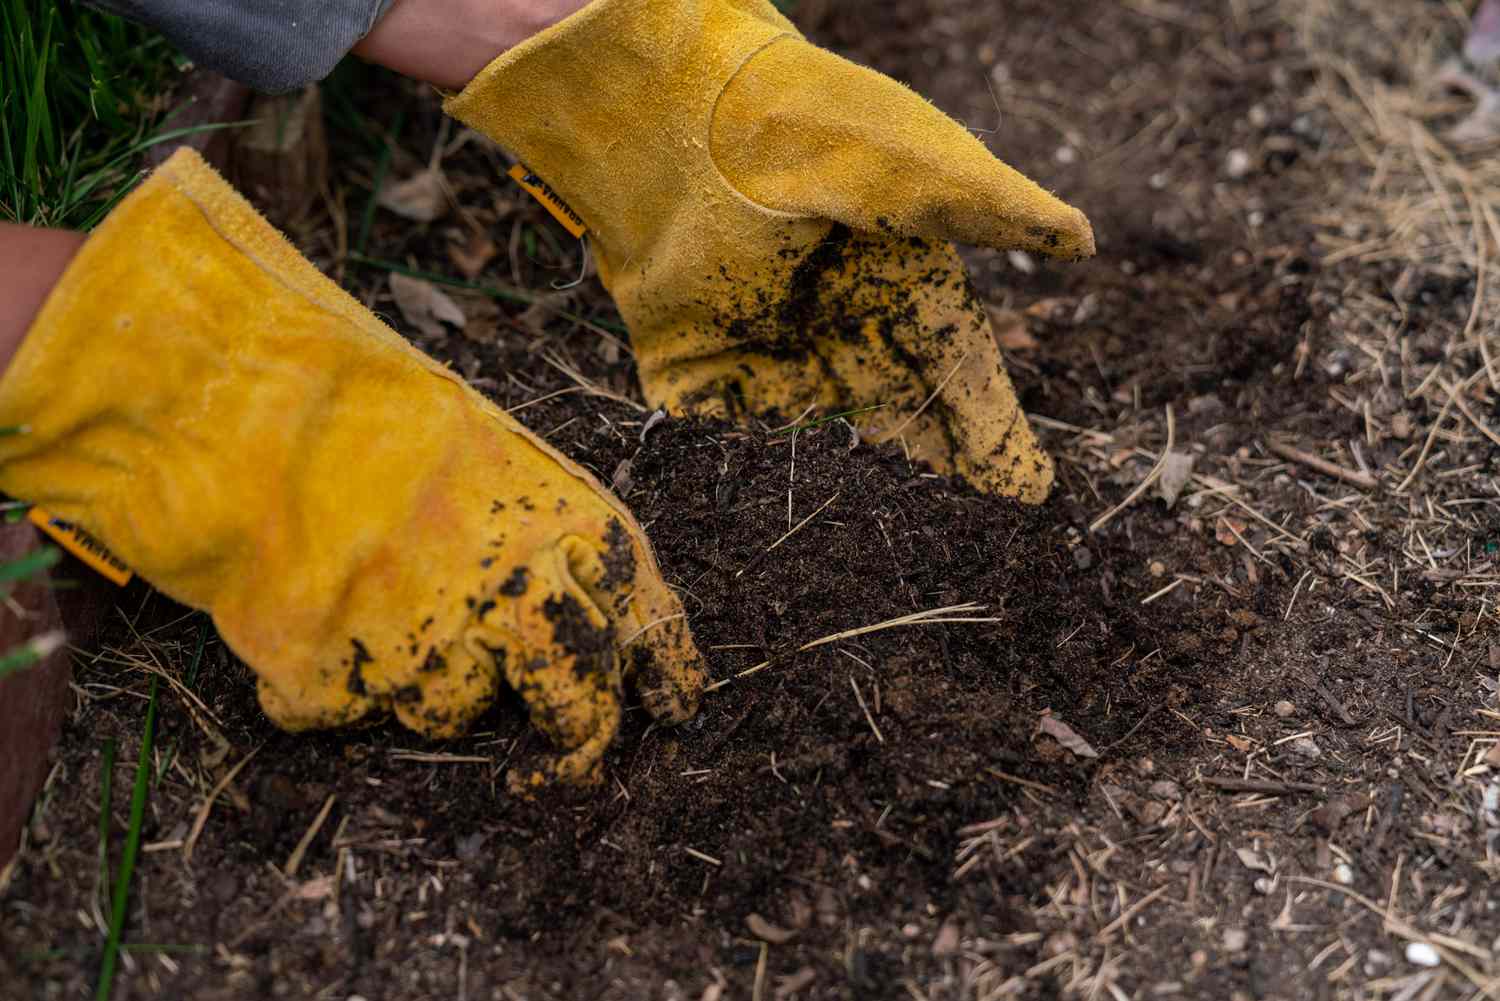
<point x="82" y="545"/>
<point x="551" y="200"/>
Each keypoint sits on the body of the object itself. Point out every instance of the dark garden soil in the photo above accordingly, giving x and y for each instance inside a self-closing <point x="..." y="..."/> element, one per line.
<point x="1233" y="747"/>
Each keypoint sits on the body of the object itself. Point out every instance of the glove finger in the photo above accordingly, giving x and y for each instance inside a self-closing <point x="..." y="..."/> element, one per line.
<point x="968" y="419"/>
<point x="555" y="647"/>
<point x="448" y="694"/>
<point x="879" y="157"/>
<point x="655" y="645"/>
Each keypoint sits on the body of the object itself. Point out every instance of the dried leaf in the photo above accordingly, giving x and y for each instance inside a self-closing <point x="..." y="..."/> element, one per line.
<point x="422" y="197"/>
<point x="470" y="258"/>
<point x="1254" y="860"/>
<point x="622" y="481"/>
<point x="1227" y="526"/>
<point x="1175" y="473"/>
<point x="484" y="317"/>
<point x="1009" y="330"/>
<point x="1240" y="744"/>
<point x="1067" y="737"/>
<point x="793" y="983"/>
<point x="426" y="307"/>
<point x="763" y="929"/>
<point x="1051" y="309"/>
<point x="318" y="888"/>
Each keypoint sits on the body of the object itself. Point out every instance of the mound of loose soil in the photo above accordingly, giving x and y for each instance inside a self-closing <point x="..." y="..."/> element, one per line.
<point x="1139" y="761"/>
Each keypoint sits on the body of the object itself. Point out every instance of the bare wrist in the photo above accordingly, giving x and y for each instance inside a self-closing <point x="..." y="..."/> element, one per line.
<point x="447" y="42"/>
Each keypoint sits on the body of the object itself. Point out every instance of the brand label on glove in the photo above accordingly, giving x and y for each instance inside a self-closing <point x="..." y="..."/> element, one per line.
<point x="551" y="200"/>
<point x="82" y="545"/>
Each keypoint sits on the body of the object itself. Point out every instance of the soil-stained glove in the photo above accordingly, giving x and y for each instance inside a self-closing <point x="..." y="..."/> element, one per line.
<point x="369" y="533"/>
<point x="772" y="221"/>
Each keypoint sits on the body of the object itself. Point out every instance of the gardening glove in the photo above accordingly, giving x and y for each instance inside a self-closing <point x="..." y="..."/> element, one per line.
<point x="369" y="533"/>
<point x="773" y="222"/>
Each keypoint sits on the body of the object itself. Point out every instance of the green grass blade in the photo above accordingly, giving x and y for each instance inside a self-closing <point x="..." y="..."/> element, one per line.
<point x="30" y="564"/>
<point x="382" y="166"/>
<point x="31" y="652"/>
<point x="132" y="846"/>
<point x="106" y="802"/>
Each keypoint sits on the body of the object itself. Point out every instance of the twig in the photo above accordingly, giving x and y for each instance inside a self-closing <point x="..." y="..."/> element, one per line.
<point x="1481" y="426"/>
<point x="1145" y="484"/>
<point x="294" y="861"/>
<point x="1130" y="912"/>
<point x="1328" y="697"/>
<point x="868" y="718"/>
<point x="789" y="533"/>
<point x="1427" y="445"/>
<point x="1230" y="784"/>
<point x="933" y="616"/>
<point x="1132" y="731"/>
<point x="927" y="402"/>
<point x="1024" y="783"/>
<point x="1362" y="480"/>
<point x="202" y="818"/>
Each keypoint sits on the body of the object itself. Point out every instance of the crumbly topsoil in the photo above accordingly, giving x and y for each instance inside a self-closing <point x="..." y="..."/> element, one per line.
<point x="1231" y="748"/>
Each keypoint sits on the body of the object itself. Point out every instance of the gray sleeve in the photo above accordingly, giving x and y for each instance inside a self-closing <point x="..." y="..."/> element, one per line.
<point x="272" y="45"/>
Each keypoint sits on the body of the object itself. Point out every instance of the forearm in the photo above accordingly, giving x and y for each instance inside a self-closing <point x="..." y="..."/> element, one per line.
<point x="32" y="260"/>
<point x="447" y="42"/>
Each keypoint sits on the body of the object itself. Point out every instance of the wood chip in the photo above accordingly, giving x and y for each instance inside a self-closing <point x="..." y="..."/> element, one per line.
<point x="1066" y="736"/>
<point x="763" y="929"/>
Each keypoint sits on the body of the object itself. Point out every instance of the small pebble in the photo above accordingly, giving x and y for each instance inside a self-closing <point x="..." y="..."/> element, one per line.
<point x="946" y="943"/>
<point x="1083" y="557"/>
<point x="1283" y="709"/>
<point x="1343" y="875"/>
<point x="1166" y="789"/>
<point x="1422" y="954"/>
<point x="1237" y="163"/>
<point x="1235" y="939"/>
<point x="1265" y="885"/>
<point x="1306" y="747"/>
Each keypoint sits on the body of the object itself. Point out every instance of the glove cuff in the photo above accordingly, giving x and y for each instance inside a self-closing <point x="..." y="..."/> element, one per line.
<point x="618" y="100"/>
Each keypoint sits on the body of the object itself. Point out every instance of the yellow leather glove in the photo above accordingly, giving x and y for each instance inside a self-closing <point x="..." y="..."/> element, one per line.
<point x="369" y="533"/>
<point x="773" y="220"/>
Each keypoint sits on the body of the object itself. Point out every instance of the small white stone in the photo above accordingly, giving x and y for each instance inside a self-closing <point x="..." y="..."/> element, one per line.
<point x="1021" y="261"/>
<point x="1283" y="709"/>
<point x="1066" y="155"/>
<point x="1343" y="875"/>
<point x="1422" y="954"/>
<point x="1237" y="164"/>
<point x="1306" y="747"/>
<point x="1235" y="939"/>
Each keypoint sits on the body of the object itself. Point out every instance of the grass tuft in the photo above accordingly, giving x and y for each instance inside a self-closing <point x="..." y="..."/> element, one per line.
<point x="79" y="99"/>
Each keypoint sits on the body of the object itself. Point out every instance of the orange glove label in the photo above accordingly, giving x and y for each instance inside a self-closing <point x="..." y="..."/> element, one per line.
<point x="82" y="545"/>
<point x="551" y="200"/>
